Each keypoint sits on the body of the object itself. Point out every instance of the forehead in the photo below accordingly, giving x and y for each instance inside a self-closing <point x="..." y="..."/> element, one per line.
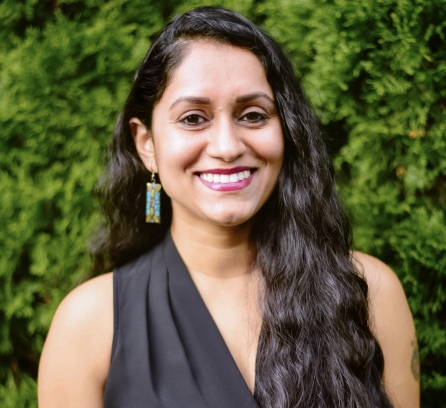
<point x="212" y="67"/>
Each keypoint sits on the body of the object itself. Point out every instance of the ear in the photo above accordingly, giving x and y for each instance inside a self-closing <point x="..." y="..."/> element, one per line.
<point x="144" y="144"/>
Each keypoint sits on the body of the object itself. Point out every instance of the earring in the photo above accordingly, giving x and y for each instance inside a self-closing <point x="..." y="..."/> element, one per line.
<point x="153" y="201"/>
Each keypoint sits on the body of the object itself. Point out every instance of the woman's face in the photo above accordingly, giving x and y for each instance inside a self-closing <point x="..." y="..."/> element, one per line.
<point x="217" y="137"/>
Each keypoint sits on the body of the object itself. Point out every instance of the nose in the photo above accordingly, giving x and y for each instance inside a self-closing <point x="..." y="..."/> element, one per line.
<point x="225" y="141"/>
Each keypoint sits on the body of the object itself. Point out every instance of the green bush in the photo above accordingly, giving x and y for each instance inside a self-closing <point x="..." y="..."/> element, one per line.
<point x="375" y="71"/>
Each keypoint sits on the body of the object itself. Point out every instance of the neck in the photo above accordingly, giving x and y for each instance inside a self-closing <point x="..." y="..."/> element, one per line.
<point x="220" y="252"/>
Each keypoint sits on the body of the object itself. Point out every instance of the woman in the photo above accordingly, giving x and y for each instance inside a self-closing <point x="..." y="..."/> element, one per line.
<point x="253" y="298"/>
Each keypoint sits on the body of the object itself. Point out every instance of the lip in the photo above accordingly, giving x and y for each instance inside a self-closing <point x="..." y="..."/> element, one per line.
<point x="226" y="171"/>
<point x="239" y="185"/>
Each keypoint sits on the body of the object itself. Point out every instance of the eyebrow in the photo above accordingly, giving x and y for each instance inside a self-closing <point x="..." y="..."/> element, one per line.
<point x="206" y="101"/>
<point x="250" y="97"/>
<point x="191" y="99"/>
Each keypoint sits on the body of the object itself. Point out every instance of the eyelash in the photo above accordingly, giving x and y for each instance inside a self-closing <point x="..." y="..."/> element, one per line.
<point x="184" y="120"/>
<point x="261" y="117"/>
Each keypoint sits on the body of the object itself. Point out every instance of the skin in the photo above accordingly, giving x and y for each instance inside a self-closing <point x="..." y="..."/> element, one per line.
<point x="211" y="230"/>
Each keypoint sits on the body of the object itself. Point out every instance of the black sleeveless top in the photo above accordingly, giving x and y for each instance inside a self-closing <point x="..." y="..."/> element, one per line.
<point x="167" y="350"/>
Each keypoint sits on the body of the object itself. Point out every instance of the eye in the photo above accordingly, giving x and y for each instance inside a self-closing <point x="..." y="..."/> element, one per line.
<point x="193" y="120"/>
<point x="253" y="117"/>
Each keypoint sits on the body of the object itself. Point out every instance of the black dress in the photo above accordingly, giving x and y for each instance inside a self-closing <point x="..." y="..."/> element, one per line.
<point x="167" y="350"/>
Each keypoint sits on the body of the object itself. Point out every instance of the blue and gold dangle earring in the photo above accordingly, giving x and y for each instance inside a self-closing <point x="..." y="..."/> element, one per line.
<point x="153" y="201"/>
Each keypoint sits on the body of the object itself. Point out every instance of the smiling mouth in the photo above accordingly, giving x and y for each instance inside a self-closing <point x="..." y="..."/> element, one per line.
<point x="226" y="178"/>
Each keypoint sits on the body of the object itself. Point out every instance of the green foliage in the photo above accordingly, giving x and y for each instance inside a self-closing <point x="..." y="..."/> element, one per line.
<point x="375" y="71"/>
<point x="18" y="396"/>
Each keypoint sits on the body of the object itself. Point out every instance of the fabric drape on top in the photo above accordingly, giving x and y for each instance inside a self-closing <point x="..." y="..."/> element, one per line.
<point x="167" y="350"/>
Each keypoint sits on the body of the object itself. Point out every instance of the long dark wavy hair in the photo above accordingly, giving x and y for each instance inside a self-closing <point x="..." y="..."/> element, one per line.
<point x="316" y="347"/>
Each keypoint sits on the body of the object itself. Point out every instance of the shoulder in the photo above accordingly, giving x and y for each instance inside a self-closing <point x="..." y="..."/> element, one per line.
<point x="77" y="352"/>
<point x="87" y="311"/>
<point x="388" y="301"/>
<point x="86" y="303"/>
<point x="382" y="281"/>
<point x="394" y="329"/>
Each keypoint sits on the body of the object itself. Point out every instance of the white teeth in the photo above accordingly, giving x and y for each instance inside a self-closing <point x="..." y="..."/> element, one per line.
<point x="226" y="178"/>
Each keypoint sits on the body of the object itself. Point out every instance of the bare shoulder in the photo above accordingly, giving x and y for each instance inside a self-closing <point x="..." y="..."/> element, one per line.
<point x="388" y="301"/>
<point x="394" y="329"/>
<point x="86" y="303"/>
<point x="383" y="282"/>
<point x="77" y="352"/>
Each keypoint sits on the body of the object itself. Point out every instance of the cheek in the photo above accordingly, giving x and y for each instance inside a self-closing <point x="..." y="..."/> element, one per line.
<point x="174" y="156"/>
<point x="271" y="149"/>
<point x="276" y="152"/>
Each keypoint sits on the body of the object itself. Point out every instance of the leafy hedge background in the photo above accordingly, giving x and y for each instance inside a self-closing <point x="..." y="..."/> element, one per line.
<point x="375" y="71"/>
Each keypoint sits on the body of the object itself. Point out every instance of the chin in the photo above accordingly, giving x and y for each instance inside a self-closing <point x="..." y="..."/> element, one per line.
<point x="229" y="218"/>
